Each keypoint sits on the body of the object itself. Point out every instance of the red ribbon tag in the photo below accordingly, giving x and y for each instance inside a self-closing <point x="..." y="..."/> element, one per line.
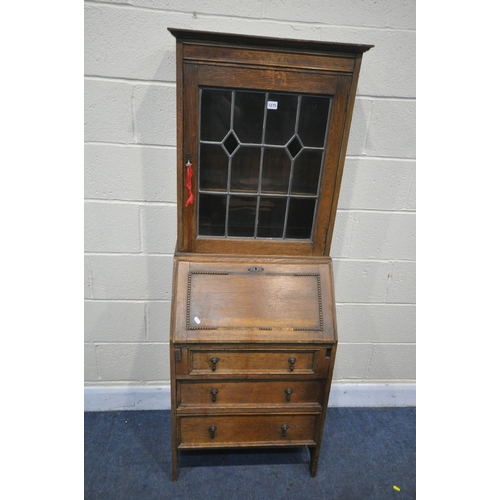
<point x="189" y="184"/>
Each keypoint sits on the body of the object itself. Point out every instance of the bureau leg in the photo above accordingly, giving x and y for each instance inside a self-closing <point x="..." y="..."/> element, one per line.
<point x="175" y="464"/>
<point x="313" y="463"/>
<point x="175" y="443"/>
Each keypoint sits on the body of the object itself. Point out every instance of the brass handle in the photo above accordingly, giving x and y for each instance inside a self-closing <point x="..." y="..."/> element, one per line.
<point x="212" y="430"/>
<point x="214" y="393"/>
<point x="288" y="392"/>
<point x="284" y="428"/>
<point x="214" y="361"/>
<point x="292" y="363"/>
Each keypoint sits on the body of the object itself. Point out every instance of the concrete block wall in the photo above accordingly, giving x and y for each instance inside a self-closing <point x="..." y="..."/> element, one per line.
<point x="130" y="203"/>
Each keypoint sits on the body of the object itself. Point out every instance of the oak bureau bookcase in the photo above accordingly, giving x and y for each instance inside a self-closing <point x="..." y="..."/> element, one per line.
<point x="262" y="130"/>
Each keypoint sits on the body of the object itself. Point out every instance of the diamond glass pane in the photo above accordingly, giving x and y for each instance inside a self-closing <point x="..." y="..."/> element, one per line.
<point x="294" y="147"/>
<point x="231" y="143"/>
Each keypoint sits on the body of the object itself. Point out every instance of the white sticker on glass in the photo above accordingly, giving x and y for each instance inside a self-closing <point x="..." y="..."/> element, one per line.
<point x="272" y="104"/>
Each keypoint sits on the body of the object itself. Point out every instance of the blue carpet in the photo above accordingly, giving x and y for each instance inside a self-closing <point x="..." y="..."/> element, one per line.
<point x="365" y="452"/>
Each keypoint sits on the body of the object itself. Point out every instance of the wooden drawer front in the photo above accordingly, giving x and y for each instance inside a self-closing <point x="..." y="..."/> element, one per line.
<point x="217" y="393"/>
<point x="261" y="430"/>
<point x="241" y="362"/>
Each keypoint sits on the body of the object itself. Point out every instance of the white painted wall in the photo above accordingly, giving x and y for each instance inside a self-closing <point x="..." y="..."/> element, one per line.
<point x="130" y="203"/>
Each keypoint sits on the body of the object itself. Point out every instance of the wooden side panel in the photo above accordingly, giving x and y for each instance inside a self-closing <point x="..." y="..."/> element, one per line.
<point x="349" y="89"/>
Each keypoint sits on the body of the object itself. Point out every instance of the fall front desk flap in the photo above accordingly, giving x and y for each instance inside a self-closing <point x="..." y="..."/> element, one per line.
<point x="255" y="301"/>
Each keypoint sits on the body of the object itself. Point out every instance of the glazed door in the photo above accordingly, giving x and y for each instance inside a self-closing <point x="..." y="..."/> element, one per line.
<point x="260" y="158"/>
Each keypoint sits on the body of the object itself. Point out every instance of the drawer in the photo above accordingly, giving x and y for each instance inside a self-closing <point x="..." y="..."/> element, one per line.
<point x="260" y="430"/>
<point x="236" y="362"/>
<point x="220" y="393"/>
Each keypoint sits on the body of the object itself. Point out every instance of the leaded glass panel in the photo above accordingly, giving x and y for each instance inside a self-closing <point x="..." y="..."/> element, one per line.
<point x="263" y="154"/>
